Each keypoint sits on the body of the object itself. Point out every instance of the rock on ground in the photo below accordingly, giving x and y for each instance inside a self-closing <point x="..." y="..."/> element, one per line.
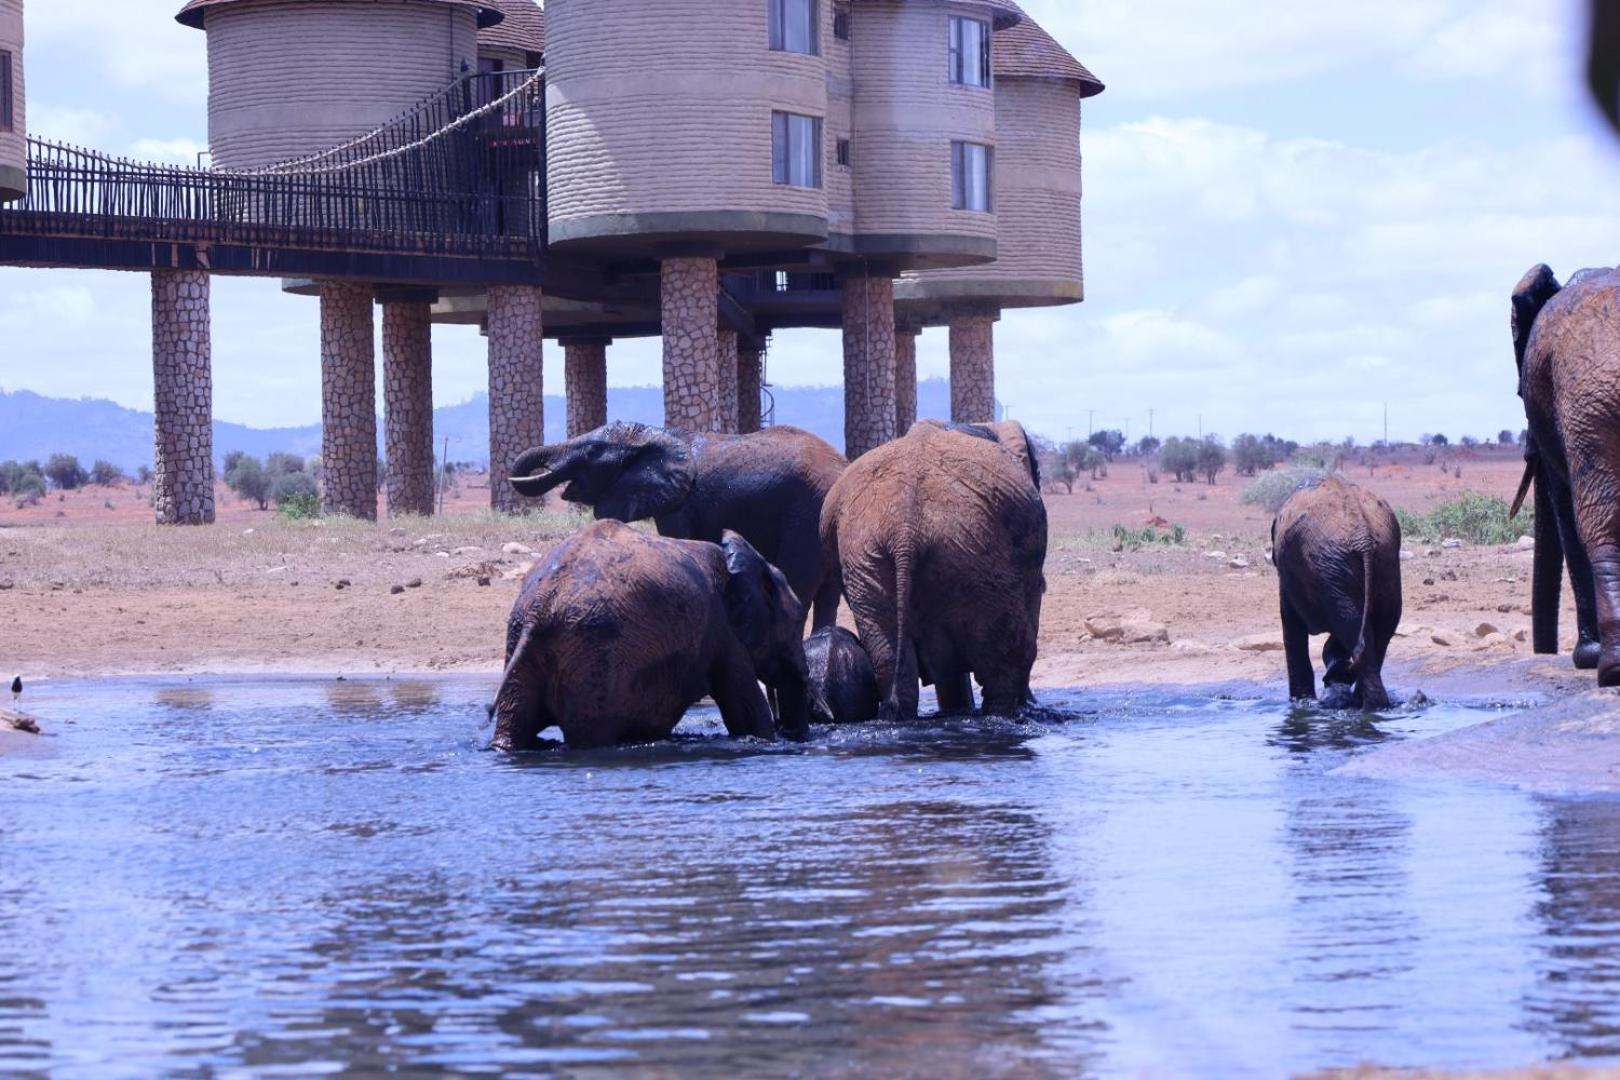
<point x="1134" y="627"/>
<point x="1260" y="643"/>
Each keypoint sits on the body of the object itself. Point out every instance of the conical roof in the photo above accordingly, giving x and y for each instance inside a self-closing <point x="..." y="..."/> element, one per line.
<point x="192" y="14"/>
<point x="1027" y="51"/>
<point x="524" y="27"/>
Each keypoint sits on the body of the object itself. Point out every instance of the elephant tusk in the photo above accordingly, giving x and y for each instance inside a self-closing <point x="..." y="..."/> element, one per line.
<point x="1524" y="489"/>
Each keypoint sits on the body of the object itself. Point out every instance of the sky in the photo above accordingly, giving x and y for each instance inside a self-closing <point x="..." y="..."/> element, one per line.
<point x="1296" y="215"/>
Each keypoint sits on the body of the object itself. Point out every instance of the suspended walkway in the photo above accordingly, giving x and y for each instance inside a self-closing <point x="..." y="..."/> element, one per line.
<point x="452" y="191"/>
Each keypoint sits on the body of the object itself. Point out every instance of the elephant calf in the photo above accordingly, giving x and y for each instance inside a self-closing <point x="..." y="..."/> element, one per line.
<point x="617" y="633"/>
<point x="843" y="685"/>
<point x="1337" y="548"/>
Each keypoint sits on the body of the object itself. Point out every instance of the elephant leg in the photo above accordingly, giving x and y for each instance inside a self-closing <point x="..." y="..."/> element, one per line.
<point x="1588" y="647"/>
<point x="826" y="602"/>
<point x="954" y="691"/>
<point x="1297" y="649"/>
<point x="1370" y="679"/>
<point x="736" y="690"/>
<point x="1336" y="659"/>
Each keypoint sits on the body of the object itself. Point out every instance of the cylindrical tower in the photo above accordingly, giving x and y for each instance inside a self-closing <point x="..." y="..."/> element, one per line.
<point x="517" y="42"/>
<point x="13" y="114"/>
<point x="688" y="124"/>
<point x="1039" y="87"/>
<point x="288" y="78"/>
<point x="923" y="130"/>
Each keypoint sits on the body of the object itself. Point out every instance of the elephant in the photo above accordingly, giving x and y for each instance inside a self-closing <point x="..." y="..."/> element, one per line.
<point x="1337" y="549"/>
<point x="843" y="686"/>
<point x="768" y="487"/>
<point x="616" y="633"/>
<point x="1567" y="347"/>
<point x="1603" y="59"/>
<point x="941" y="537"/>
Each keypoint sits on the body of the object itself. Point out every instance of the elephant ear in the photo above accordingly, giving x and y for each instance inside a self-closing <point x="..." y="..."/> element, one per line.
<point x="655" y="480"/>
<point x="1011" y="434"/>
<point x="750" y="591"/>
<point x="1529" y="297"/>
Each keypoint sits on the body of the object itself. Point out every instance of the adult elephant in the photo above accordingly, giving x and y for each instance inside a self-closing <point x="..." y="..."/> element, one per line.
<point x="767" y="487"/>
<point x="1337" y="549"/>
<point x="941" y="539"/>
<point x="617" y="633"/>
<point x="1567" y="345"/>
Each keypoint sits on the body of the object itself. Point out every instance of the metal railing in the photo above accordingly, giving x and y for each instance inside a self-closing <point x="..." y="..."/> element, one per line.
<point x="460" y="174"/>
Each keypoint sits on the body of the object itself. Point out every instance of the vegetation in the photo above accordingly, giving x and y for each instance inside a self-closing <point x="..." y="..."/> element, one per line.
<point x="1472" y="518"/>
<point x="1129" y="539"/>
<point x="24" y="481"/>
<point x="262" y="482"/>
<point x="1108" y="443"/>
<point x="1272" y="490"/>
<point x="64" y="471"/>
<point x="296" y="496"/>
<point x="105" y="474"/>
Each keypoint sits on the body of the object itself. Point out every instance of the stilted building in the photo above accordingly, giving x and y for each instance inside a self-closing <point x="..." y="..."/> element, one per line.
<point x="13" y="104"/>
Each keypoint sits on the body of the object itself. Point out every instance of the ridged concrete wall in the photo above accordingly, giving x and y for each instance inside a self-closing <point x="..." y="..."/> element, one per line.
<point x="906" y="115"/>
<point x="1037" y="190"/>
<point x="659" y="120"/>
<point x="288" y="78"/>
<point x="13" y="143"/>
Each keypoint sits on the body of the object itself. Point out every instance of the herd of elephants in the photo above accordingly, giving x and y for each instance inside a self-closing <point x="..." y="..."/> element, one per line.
<point x="937" y="543"/>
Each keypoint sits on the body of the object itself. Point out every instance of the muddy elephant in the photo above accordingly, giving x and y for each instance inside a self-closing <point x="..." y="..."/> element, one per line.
<point x="1337" y="549"/>
<point x="1567" y="346"/>
<point x="617" y="633"/>
<point x="1008" y="434"/>
<point x="941" y="539"/>
<point x="768" y="487"/>
<point x="843" y="685"/>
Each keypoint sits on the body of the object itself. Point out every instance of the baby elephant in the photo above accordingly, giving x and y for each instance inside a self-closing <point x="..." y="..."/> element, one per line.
<point x="617" y="633"/>
<point x="843" y="686"/>
<point x="1337" y="549"/>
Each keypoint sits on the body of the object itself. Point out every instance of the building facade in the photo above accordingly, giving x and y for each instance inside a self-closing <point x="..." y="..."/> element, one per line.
<point x="13" y="103"/>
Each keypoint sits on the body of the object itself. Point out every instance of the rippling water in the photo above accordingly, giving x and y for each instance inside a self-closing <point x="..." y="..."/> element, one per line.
<point x="302" y="876"/>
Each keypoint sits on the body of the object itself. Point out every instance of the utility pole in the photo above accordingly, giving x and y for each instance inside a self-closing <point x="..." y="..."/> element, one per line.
<point x="1386" y="425"/>
<point x="1150" y="422"/>
<point x="1200" y="426"/>
<point x="1091" y="422"/>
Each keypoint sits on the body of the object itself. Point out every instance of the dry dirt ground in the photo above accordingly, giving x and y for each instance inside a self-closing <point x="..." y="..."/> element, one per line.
<point x="88" y="587"/>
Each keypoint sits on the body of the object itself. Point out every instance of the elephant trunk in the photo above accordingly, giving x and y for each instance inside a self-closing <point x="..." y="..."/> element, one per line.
<point x="537" y="471"/>
<point x="1548" y="575"/>
<point x="516" y="709"/>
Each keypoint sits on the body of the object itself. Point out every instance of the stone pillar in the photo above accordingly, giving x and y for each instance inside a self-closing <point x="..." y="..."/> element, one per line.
<point x="348" y="401"/>
<point x="973" y="368"/>
<point x="585" y="376"/>
<point x="750" y="381"/>
<point x="183" y="384"/>
<point x="726" y="412"/>
<point x="691" y="315"/>
<point x="407" y="334"/>
<point x="869" y="404"/>
<point x="905" y="377"/>
<point x="516" y="385"/>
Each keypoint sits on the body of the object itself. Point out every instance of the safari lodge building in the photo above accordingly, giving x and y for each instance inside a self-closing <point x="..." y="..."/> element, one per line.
<point x="708" y="171"/>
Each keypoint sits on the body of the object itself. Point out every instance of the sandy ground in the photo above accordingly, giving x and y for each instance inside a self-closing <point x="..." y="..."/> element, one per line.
<point x="88" y="588"/>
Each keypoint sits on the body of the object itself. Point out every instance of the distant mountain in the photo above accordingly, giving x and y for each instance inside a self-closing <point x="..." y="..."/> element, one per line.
<point x="32" y="426"/>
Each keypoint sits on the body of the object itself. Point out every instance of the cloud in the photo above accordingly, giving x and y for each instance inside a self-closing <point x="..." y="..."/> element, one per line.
<point x="135" y="44"/>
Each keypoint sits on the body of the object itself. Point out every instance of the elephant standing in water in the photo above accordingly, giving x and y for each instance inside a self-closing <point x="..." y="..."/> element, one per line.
<point x="1337" y="549"/>
<point x="843" y="686"/>
<point x="1566" y="341"/>
<point x="941" y="540"/>
<point x="768" y="487"/>
<point x="617" y="633"/>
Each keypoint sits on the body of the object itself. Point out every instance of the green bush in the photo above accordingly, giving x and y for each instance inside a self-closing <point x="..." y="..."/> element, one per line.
<point x="249" y="479"/>
<point x="1136" y="539"/>
<point x="65" y="472"/>
<point x="1274" y="488"/>
<point x="296" y="496"/>
<point x="1472" y="518"/>
<point x="105" y="474"/>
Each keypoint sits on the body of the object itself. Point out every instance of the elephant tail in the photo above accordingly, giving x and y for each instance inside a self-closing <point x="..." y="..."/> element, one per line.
<point x="1366" y="609"/>
<point x="905" y="656"/>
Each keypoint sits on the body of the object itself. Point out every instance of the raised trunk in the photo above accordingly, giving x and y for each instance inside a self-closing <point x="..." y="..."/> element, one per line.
<point x="1548" y="576"/>
<point x="537" y="471"/>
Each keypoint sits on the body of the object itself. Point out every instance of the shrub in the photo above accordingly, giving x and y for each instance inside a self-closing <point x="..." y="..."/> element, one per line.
<point x="1147" y="446"/>
<point x="29" y="489"/>
<point x="1211" y="457"/>
<point x="296" y="496"/>
<point x="1273" y="489"/>
<point x="65" y="472"/>
<point x="1108" y="443"/>
<point x="143" y="475"/>
<point x="1179" y="457"/>
<point x="1136" y="539"/>
<point x="105" y="474"/>
<point x="249" y="479"/>
<point x="279" y="463"/>
<point x="1251" y="454"/>
<point x="1470" y="517"/>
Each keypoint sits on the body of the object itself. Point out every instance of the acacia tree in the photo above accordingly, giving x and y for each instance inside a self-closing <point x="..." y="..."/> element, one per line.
<point x="1211" y="457"/>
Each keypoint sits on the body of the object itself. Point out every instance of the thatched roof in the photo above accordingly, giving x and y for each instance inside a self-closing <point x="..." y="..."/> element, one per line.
<point x="1027" y="51"/>
<point x="192" y="13"/>
<point x="524" y="27"/>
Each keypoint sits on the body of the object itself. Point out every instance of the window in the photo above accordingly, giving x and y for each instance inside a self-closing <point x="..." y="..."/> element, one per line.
<point x="841" y="23"/>
<point x="8" y="107"/>
<point x="970" y="177"/>
<point x="970" y="51"/>
<point x="843" y="152"/>
<point x="794" y="26"/>
<point x="796" y="149"/>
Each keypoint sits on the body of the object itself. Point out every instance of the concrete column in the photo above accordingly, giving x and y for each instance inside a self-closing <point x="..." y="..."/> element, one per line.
<point x="905" y="377"/>
<point x="691" y="342"/>
<point x="407" y="334"/>
<point x="516" y="385"/>
<point x="348" y="401"/>
<point x="750" y="380"/>
<point x="183" y="384"/>
<point x="726" y="412"/>
<point x="869" y="403"/>
<point x="973" y="368"/>
<point x="585" y="373"/>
